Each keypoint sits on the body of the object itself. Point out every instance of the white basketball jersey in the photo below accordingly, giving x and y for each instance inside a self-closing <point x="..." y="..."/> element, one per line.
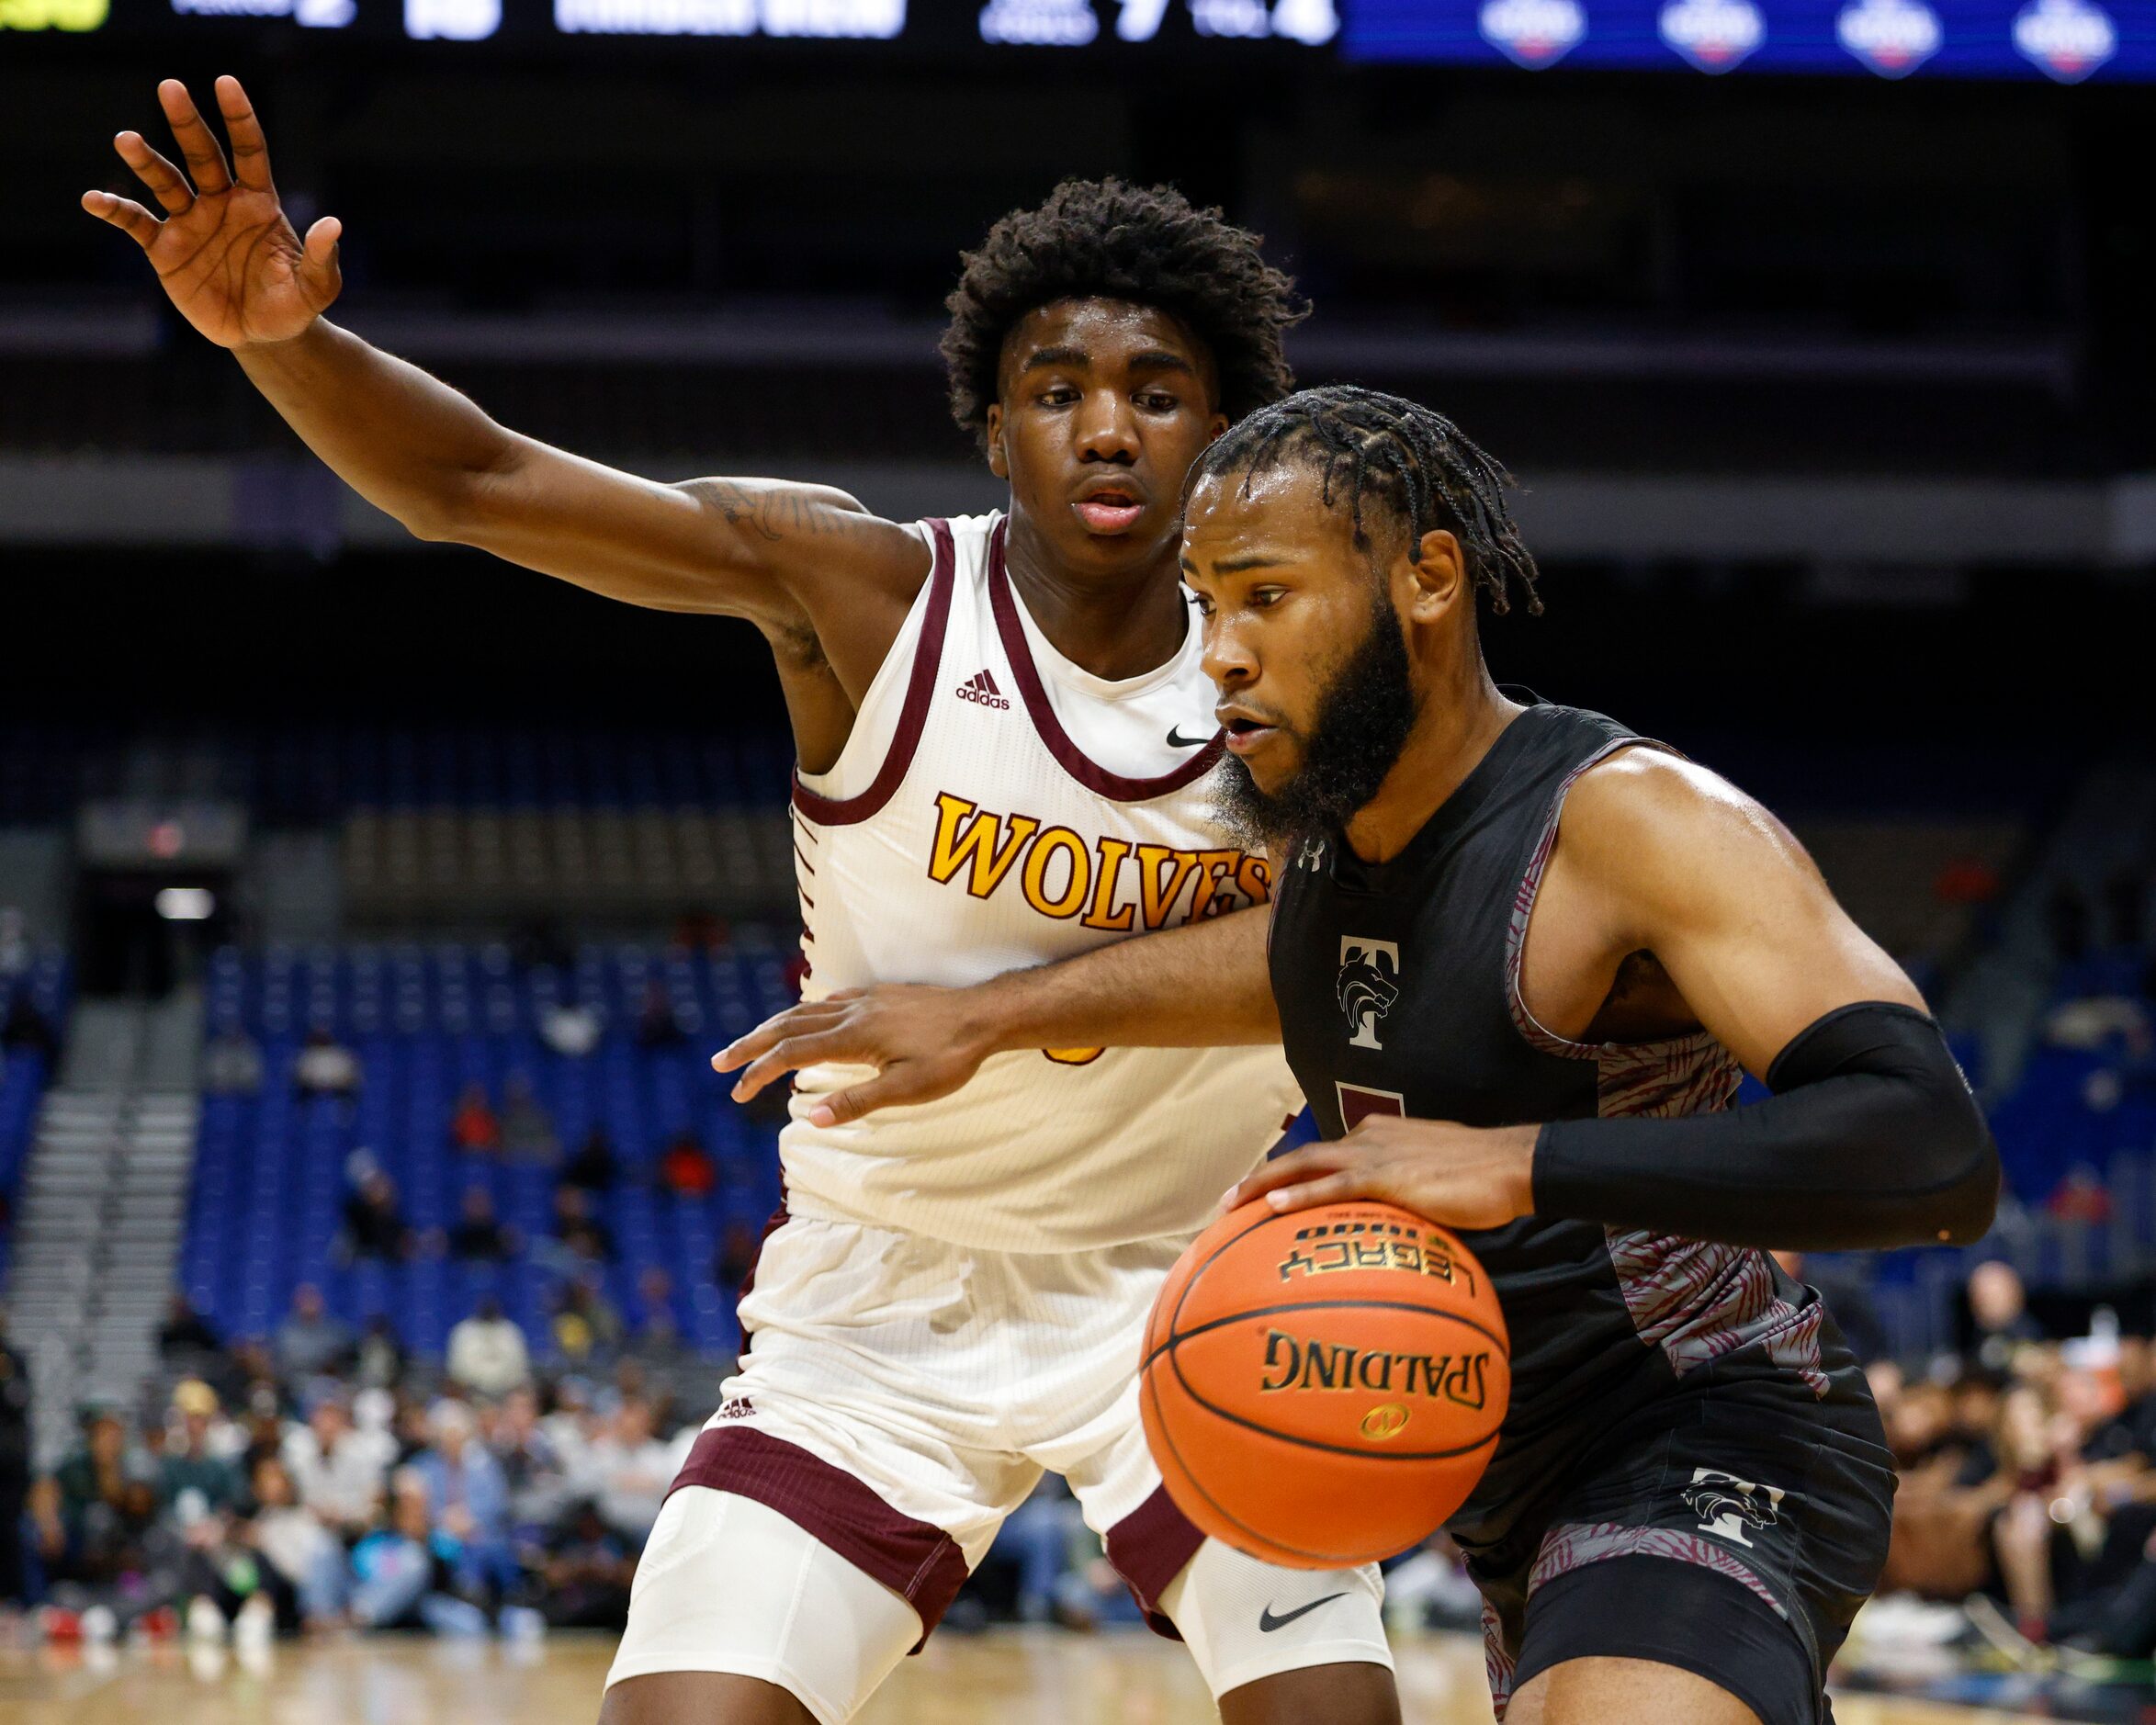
<point x="998" y="806"/>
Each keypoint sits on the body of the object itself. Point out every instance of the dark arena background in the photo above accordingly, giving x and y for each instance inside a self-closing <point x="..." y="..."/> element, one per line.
<point x="369" y="908"/>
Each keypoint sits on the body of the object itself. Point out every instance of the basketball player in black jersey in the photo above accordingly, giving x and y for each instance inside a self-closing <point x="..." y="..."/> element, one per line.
<point x="1519" y="958"/>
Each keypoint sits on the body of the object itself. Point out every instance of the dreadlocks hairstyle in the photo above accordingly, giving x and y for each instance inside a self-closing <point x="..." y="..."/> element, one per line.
<point x="1146" y="244"/>
<point x="1424" y="469"/>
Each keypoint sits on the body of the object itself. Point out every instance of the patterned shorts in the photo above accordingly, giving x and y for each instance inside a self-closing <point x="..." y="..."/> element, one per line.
<point x="1730" y="1528"/>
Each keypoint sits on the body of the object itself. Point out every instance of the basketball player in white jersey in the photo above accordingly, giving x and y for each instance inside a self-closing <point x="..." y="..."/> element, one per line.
<point x="1004" y="737"/>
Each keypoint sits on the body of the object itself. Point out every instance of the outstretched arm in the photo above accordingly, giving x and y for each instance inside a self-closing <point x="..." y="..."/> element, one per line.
<point x="783" y="555"/>
<point x="1201" y="985"/>
<point x="1871" y="1137"/>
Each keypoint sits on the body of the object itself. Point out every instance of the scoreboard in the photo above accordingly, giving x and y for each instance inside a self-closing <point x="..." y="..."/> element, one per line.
<point x="928" y="27"/>
<point x="2068" y="41"/>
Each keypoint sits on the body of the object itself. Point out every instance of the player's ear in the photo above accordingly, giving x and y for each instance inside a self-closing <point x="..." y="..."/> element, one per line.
<point x="1436" y="577"/>
<point x="999" y="460"/>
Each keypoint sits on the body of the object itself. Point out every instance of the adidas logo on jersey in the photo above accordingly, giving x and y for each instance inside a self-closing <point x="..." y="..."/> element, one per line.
<point x="981" y="688"/>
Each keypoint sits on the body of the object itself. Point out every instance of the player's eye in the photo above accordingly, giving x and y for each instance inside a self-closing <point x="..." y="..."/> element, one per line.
<point x="1058" y="395"/>
<point x="1156" y="402"/>
<point x="1204" y="606"/>
<point x="1265" y="598"/>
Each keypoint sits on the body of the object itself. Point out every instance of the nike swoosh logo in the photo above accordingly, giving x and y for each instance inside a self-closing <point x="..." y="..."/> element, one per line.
<point x="1267" y="1623"/>
<point x="1176" y="739"/>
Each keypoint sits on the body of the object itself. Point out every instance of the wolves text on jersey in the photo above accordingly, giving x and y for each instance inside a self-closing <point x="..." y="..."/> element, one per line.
<point x="1118" y="885"/>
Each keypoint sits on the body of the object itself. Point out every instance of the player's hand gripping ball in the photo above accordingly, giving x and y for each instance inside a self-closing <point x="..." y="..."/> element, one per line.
<point x="1324" y="1388"/>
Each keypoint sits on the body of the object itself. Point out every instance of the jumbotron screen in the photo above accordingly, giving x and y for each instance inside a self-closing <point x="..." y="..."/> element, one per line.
<point x="2067" y="41"/>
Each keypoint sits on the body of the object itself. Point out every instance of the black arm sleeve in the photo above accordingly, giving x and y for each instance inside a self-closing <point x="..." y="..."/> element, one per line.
<point x="1872" y="1138"/>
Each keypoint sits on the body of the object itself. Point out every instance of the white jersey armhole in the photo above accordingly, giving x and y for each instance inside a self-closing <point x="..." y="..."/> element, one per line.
<point x="875" y="722"/>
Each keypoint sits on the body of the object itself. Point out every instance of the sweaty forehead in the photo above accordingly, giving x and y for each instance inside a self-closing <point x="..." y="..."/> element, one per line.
<point x="1103" y="333"/>
<point x="1278" y="513"/>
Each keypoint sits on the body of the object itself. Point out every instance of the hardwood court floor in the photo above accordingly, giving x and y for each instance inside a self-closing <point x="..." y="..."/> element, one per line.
<point x="1017" y="1678"/>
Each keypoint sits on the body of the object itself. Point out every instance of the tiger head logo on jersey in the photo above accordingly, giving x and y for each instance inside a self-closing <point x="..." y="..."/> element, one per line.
<point x="1367" y="987"/>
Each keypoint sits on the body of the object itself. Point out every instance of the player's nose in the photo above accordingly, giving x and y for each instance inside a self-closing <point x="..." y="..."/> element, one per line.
<point x="1107" y="428"/>
<point x="1227" y="658"/>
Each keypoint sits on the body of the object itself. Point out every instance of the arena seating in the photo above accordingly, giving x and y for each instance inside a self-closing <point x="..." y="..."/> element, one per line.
<point x="425" y="1022"/>
<point x="24" y="1074"/>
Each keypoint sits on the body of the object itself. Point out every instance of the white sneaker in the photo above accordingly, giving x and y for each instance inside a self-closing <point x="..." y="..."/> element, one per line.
<point x="99" y="1626"/>
<point x="257" y="1625"/>
<point x="205" y="1621"/>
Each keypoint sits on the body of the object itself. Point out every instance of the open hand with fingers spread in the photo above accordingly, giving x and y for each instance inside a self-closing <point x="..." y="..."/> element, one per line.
<point x="923" y="1042"/>
<point x="1459" y="1176"/>
<point x="232" y="264"/>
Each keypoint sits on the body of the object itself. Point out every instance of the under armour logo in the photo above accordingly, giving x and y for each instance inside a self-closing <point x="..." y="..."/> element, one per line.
<point x="1367" y="986"/>
<point x="1726" y="1505"/>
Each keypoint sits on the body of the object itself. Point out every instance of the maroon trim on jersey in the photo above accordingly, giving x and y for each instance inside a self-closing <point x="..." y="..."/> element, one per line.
<point x="919" y="1563"/>
<point x="1094" y="777"/>
<point x="928" y="658"/>
<point x="778" y="1219"/>
<point x="1150" y="1548"/>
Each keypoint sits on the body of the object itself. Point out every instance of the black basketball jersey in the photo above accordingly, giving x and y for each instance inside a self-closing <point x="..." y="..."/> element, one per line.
<point x="1399" y="992"/>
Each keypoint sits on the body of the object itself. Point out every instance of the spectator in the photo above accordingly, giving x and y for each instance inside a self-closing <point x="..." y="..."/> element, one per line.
<point x="660" y="1347"/>
<point x="401" y="1573"/>
<point x="487" y="1352"/>
<point x="571" y="1427"/>
<point x="586" y="1577"/>
<point x="15" y="1469"/>
<point x="626" y="1472"/>
<point x="232" y="1063"/>
<point x="325" y="1066"/>
<point x="587" y="1329"/>
<point x="656" y="1025"/>
<point x="582" y="1236"/>
<point x="310" y="1341"/>
<point x="336" y="1472"/>
<point x="299" y="1546"/>
<point x="380" y="1361"/>
<point x="478" y="1235"/>
<point x="571" y="1030"/>
<point x="2081" y="1197"/>
<point x="593" y="1168"/>
<point x="531" y="1467"/>
<point x="1998" y="1308"/>
<point x="467" y="1500"/>
<point x="527" y="1130"/>
<point x="93" y="1524"/>
<point x="475" y="1129"/>
<point x="686" y="1169"/>
<point x="374" y="1224"/>
<point x="186" y="1334"/>
<point x="196" y="1476"/>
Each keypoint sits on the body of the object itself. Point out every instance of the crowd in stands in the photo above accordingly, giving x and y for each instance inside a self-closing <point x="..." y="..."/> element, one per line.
<point x="2027" y="1465"/>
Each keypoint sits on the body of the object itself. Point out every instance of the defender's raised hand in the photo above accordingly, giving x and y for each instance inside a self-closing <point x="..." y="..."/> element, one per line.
<point x="225" y="252"/>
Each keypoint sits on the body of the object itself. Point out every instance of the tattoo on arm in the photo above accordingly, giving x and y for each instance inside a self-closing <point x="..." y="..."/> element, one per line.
<point x="776" y="513"/>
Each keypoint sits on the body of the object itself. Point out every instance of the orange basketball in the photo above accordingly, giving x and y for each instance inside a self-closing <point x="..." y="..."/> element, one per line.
<point x="1324" y="1388"/>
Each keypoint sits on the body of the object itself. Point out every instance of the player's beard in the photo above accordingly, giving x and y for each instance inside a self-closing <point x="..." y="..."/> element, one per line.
<point x="1364" y="717"/>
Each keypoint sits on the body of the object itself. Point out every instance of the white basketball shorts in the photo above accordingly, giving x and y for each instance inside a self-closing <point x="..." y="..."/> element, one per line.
<point x="900" y="1398"/>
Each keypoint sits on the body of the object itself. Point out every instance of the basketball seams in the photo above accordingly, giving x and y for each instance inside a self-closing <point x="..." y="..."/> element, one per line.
<point x="1176" y="1337"/>
<point x="1352" y="1451"/>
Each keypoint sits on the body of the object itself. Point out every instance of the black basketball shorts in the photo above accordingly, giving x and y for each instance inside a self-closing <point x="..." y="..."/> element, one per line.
<point x="1731" y="1531"/>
